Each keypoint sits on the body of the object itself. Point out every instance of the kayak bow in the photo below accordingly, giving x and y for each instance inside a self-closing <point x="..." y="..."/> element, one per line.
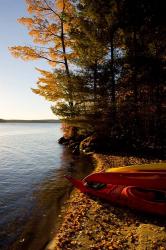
<point x="145" y="200"/>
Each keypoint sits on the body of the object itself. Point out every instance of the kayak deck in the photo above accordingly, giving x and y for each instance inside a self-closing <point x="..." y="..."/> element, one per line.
<point x="153" y="176"/>
<point x="145" y="200"/>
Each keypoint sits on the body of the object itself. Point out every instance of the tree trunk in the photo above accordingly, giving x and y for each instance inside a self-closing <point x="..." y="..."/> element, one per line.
<point x="67" y="71"/>
<point x="136" y="127"/>
<point x="95" y="81"/>
<point x="135" y="87"/>
<point x="113" y="89"/>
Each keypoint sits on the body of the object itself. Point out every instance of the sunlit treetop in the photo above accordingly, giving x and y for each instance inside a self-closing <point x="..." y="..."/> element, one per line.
<point x="48" y="27"/>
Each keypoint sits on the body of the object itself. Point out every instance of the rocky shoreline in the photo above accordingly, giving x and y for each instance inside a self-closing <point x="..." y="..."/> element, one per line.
<point x="91" y="224"/>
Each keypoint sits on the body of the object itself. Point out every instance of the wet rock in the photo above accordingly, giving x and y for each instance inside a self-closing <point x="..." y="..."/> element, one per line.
<point x="63" y="140"/>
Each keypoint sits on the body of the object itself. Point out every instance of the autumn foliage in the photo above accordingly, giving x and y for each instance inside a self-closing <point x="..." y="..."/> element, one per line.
<point x="106" y="65"/>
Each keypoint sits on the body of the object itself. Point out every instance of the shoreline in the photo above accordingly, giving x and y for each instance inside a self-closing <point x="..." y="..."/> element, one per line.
<point x="46" y="227"/>
<point x="45" y="220"/>
<point x="89" y="223"/>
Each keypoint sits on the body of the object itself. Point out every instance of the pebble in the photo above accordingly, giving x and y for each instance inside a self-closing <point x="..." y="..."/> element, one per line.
<point x="22" y="240"/>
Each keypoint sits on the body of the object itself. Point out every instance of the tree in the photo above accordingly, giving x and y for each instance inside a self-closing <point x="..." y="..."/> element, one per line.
<point x="108" y="65"/>
<point x="48" y="26"/>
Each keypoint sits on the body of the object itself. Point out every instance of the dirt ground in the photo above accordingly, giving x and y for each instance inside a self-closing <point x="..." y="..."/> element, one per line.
<point x="92" y="224"/>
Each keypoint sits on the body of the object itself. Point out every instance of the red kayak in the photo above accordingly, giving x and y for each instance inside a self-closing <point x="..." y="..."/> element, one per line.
<point x="145" y="200"/>
<point x="143" y="179"/>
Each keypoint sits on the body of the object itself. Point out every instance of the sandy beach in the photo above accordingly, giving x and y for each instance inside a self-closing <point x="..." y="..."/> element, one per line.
<point x="90" y="224"/>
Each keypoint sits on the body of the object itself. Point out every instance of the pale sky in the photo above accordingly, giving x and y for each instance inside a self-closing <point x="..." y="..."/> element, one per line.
<point x="17" y="77"/>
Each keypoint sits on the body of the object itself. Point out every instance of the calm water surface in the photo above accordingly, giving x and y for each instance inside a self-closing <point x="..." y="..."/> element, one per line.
<point x="32" y="166"/>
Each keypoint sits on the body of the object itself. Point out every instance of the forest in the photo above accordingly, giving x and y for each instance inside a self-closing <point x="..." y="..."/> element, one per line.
<point x="107" y="69"/>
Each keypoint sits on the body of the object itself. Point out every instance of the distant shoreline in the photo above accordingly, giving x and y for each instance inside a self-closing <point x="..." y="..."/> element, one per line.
<point x="29" y="121"/>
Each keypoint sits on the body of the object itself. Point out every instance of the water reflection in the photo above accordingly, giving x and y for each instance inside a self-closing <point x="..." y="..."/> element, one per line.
<point x="40" y="223"/>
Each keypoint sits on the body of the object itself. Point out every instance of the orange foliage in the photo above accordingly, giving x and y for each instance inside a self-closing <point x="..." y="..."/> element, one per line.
<point x="48" y="86"/>
<point x="48" y="26"/>
<point x="26" y="21"/>
<point x="24" y="52"/>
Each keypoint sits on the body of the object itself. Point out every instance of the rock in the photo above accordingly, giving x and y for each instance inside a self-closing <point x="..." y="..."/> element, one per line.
<point x="73" y="145"/>
<point x="88" y="144"/>
<point x="63" y="140"/>
<point x="76" y="151"/>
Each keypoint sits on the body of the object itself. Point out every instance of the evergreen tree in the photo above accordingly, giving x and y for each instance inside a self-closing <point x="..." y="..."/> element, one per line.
<point x="108" y="61"/>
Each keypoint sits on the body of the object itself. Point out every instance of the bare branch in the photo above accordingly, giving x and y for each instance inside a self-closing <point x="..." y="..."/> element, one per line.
<point x="48" y="59"/>
<point x="52" y="10"/>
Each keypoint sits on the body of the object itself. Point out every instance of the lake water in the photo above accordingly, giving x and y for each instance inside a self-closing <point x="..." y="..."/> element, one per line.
<point x="32" y="169"/>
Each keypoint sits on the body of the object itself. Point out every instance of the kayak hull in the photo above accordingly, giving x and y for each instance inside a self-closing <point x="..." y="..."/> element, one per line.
<point x="130" y="196"/>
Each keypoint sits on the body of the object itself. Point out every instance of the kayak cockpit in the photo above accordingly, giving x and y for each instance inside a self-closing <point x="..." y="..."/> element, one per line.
<point x="95" y="185"/>
<point x="149" y="194"/>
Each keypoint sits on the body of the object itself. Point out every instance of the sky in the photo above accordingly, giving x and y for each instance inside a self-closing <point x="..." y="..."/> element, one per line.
<point x="17" y="77"/>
